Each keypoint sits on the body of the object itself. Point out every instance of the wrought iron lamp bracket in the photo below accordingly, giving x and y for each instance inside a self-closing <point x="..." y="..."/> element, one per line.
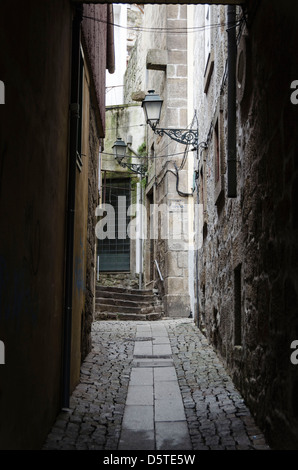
<point x="140" y="169"/>
<point x="183" y="136"/>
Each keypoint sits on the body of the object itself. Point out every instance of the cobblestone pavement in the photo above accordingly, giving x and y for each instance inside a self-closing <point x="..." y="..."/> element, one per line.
<point x="217" y="416"/>
<point x="215" y="411"/>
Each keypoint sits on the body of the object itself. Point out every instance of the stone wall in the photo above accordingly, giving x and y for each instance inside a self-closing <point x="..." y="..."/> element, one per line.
<point x="35" y="67"/>
<point x="93" y="200"/>
<point x="248" y="260"/>
<point x="211" y="106"/>
<point x="167" y="73"/>
<point x="98" y="38"/>
<point x="126" y="280"/>
<point x="268" y="147"/>
<point x="36" y="53"/>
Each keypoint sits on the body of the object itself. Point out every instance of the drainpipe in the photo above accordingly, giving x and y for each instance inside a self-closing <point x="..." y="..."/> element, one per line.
<point x="197" y="294"/>
<point x="197" y="248"/>
<point x="232" y="54"/>
<point x="141" y="232"/>
<point x="73" y="138"/>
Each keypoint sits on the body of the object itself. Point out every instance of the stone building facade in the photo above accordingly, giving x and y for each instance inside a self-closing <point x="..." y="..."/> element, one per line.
<point x="119" y="260"/>
<point x="159" y="61"/>
<point x="53" y="64"/>
<point x="116" y="181"/>
<point x="247" y="244"/>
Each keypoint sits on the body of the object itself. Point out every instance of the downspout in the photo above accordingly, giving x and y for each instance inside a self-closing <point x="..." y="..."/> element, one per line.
<point x="73" y="143"/>
<point x="110" y="40"/>
<point x="197" y="250"/>
<point x="232" y="55"/>
<point x="197" y="288"/>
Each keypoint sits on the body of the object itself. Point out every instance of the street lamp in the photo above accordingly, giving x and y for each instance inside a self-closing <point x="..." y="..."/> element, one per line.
<point x="119" y="150"/>
<point x="152" y="105"/>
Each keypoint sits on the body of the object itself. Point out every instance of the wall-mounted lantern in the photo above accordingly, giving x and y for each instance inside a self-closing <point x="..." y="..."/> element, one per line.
<point x="152" y="105"/>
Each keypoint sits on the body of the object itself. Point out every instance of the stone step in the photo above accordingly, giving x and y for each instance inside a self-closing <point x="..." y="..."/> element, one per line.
<point x="124" y="290"/>
<point x="152" y="308"/>
<point x="125" y="296"/>
<point x="117" y="308"/>
<point x="121" y="302"/>
<point x="122" y="316"/>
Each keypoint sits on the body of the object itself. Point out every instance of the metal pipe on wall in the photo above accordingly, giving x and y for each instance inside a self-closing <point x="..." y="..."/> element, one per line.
<point x="73" y="138"/>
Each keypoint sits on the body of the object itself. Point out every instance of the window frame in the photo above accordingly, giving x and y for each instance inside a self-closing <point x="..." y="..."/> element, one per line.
<point x="218" y="153"/>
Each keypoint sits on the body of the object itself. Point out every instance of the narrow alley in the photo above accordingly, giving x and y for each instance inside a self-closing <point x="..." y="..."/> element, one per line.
<point x="149" y="242"/>
<point x="154" y="385"/>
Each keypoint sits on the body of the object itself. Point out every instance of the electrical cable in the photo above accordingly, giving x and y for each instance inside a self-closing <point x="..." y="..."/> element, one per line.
<point x="181" y="193"/>
<point x="124" y="127"/>
<point x="161" y="30"/>
<point x="146" y="156"/>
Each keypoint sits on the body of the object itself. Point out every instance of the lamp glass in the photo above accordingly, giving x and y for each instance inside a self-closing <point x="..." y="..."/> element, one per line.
<point x="152" y="107"/>
<point x="119" y="149"/>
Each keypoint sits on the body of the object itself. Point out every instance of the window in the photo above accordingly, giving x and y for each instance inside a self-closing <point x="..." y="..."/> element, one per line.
<point x="209" y="59"/>
<point x="202" y="191"/>
<point x="114" y="252"/>
<point x="237" y="306"/>
<point x="207" y="35"/>
<point x="218" y="155"/>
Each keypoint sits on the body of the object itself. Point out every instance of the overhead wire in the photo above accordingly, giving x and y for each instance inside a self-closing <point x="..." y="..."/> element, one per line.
<point x="124" y="127"/>
<point x="151" y="157"/>
<point x="162" y="30"/>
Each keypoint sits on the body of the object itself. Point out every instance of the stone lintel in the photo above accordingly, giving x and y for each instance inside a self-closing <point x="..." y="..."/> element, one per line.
<point x="157" y="59"/>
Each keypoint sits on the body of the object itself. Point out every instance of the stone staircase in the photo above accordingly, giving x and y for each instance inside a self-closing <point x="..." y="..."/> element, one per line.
<point x="120" y="303"/>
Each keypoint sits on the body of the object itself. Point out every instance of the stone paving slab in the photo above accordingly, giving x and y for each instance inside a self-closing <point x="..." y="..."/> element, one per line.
<point x="178" y="431"/>
<point x="164" y="390"/>
<point x="169" y="409"/>
<point x="143" y="348"/>
<point x="138" y="417"/>
<point x="161" y="340"/>
<point x="142" y="376"/>
<point x="164" y="397"/>
<point x="137" y="440"/>
<point x="140" y="395"/>
<point x="164" y="374"/>
<point x="211" y="414"/>
<point x="161" y="350"/>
